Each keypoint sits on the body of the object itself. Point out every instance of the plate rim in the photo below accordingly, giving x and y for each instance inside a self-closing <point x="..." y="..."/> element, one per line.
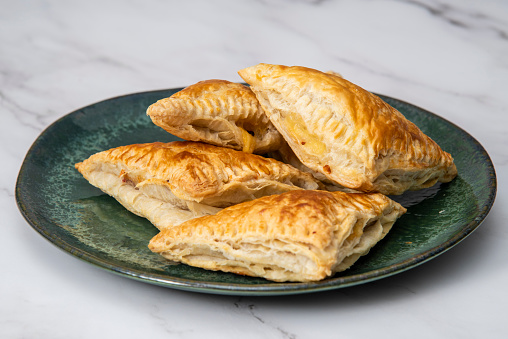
<point x="270" y="288"/>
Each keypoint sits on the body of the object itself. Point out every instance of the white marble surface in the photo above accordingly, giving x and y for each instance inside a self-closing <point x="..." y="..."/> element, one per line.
<point x="449" y="57"/>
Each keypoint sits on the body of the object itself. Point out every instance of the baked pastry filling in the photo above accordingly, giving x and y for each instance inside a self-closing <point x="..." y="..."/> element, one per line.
<point x="218" y="112"/>
<point x="304" y="137"/>
<point x="346" y="133"/>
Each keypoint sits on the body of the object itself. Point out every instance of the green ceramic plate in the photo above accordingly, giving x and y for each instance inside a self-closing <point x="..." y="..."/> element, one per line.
<point x="78" y="218"/>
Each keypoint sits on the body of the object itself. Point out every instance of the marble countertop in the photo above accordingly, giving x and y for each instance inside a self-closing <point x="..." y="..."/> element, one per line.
<point x="449" y="57"/>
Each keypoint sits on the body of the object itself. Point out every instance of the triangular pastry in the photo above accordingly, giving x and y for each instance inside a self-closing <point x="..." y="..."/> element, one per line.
<point x="218" y="112"/>
<point x="169" y="183"/>
<point x="346" y="133"/>
<point x="295" y="236"/>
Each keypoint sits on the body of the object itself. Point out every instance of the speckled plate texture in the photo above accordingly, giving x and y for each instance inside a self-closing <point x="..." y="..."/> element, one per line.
<point x="78" y="218"/>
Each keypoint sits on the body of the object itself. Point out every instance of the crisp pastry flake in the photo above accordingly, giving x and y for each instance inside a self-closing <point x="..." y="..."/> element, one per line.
<point x="302" y="235"/>
<point x="346" y="133"/>
<point x="287" y="156"/>
<point x="169" y="183"/>
<point x="218" y="112"/>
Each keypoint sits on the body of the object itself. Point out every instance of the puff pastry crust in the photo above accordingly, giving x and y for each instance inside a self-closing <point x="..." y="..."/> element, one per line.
<point x="346" y="133"/>
<point x="218" y="112"/>
<point x="287" y="156"/>
<point x="295" y="236"/>
<point x="169" y="183"/>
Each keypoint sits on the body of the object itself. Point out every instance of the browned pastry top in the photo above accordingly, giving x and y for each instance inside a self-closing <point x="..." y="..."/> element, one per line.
<point x="219" y="112"/>
<point x="195" y="171"/>
<point x="347" y="133"/>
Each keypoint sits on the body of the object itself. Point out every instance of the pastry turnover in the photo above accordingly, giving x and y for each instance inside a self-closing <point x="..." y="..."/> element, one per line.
<point x="346" y="133"/>
<point x="169" y="183"/>
<point x="295" y="236"/>
<point x="218" y="112"/>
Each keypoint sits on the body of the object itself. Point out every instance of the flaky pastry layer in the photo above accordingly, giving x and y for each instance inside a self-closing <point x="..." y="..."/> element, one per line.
<point x="300" y="235"/>
<point x="218" y="112"/>
<point x="346" y="133"/>
<point x="169" y="183"/>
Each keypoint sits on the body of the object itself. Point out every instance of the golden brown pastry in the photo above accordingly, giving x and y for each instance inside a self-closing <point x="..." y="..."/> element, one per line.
<point x="346" y="133"/>
<point x="169" y="183"/>
<point x="295" y="236"/>
<point x="287" y="156"/>
<point x="218" y="112"/>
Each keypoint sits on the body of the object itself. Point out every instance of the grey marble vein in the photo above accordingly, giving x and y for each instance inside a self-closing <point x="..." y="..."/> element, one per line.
<point x="462" y="17"/>
<point x="249" y="307"/>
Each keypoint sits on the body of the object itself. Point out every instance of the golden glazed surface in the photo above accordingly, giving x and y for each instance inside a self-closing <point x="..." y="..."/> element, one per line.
<point x="171" y="182"/>
<point x="218" y="112"/>
<point x="300" y="235"/>
<point x="346" y="133"/>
